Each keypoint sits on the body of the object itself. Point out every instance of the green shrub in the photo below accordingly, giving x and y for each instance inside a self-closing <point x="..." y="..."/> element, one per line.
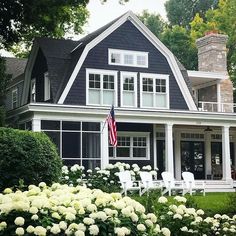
<point x="27" y="157"/>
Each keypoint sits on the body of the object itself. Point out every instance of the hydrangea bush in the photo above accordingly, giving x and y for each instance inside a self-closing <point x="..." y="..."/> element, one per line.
<point x="104" y="179"/>
<point x="182" y="220"/>
<point x="79" y="211"/>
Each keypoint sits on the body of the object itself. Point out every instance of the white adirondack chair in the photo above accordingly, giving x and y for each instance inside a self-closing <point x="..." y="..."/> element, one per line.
<point x="127" y="184"/>
<point x="192" y="185"/>
<point x="171" y="184"/>
<point x="147" y="182"/>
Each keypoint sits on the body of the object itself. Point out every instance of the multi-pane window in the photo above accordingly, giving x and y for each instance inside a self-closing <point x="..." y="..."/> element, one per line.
<point x="131" y="145"/>
<point x="127" y="58"/>
<point x="33" y="90"/>
<point x="128" y="89"/>
<point x="101" y="87"/>
<point x="154" y="91"/>
<point x="14" y="98"/>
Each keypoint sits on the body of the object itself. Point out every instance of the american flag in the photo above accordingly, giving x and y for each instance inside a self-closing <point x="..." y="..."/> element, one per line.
<point x="112" y="127"/>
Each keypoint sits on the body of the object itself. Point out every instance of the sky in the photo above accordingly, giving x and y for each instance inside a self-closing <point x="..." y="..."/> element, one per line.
<point x="101" y="14"/>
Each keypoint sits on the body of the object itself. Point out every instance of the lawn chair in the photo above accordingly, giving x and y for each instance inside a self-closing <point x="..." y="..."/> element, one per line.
<point x="192" y="185"/>
<point x="127" y="184"/>
<point x="148" y="183"/>
<point x="170" y="184"/>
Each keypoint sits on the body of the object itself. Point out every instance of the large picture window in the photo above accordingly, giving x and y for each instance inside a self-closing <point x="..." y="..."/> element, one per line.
<point x="128" y="89"/>
<point x="154" y="91"/>
<point x="131" y="146"/>
<point x="101" y="87"/>
<point x="77" y="142"/>
<point x="127" y="58"/>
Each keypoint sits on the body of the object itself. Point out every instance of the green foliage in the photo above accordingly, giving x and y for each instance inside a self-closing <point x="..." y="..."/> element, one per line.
<point x="178" y="40"/>
<point x="153" y="21"/>
<point x="23" y="20"/>
<point x="182" y="12"/>
<point x="27" y="156"/>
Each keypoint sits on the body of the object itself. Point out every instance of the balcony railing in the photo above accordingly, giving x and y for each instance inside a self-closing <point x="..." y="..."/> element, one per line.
<point x="216" y="107"/>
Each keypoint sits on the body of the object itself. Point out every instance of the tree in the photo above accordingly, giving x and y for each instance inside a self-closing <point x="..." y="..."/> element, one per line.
<point x="178" y="40"/>
<point x="182" y="12"/>
<point x="153" y="21"/>
<point x="4" y="78"/>
<point x="222" y="19"/>
<point x="23" y="20"/>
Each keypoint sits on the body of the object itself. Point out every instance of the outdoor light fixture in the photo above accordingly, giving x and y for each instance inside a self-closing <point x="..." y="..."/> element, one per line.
<point x="208" y="129"/>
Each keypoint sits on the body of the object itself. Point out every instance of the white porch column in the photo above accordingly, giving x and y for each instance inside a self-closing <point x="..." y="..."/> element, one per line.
<point x="169" y="148"/>
<point x="155" y="146"/>
<point x="177" y="156"/>
<point x="104" y="145"/>
<point x="207" y="154"/>
<point x="36" y="125"/>
<point x="226" y="153"/>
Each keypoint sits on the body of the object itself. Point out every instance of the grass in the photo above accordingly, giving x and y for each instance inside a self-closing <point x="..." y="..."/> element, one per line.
<point x="212" y="203"/>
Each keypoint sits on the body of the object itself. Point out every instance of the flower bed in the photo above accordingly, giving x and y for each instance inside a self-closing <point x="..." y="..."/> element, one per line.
<point x="64" y="210"/>
<point x="105" y="179"/>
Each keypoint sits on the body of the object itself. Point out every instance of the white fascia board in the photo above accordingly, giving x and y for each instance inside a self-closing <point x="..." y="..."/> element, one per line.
<point x="206" y="74"/>
<point x="131" y="115"/>
<point x="28" y="71"/>
<point x="153" y="39"/>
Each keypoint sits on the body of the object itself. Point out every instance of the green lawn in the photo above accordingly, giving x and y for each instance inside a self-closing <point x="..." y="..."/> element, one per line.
<point x="212" y="203"/>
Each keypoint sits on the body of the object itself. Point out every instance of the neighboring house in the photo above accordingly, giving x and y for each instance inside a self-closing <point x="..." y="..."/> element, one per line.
<point x="167" y="117"/>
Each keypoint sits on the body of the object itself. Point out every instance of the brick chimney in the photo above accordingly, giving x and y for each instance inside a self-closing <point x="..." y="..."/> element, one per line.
<point x="212" y="57"/>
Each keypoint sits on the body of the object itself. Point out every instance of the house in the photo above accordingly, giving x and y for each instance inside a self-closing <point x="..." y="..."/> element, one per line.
<point x="168" y="117"/>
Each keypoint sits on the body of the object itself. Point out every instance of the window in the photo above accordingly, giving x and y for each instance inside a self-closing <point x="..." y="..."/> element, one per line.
<point x="128" y="89"/>
<point x="131" y="145"/>
<point x="47" y="87"/>
<point x="33" y="90"/>
<point x="14" y="98"/>
<point x="101" y="87"/>
<point x="154" y="90"/>
<point x="127" y="58"/>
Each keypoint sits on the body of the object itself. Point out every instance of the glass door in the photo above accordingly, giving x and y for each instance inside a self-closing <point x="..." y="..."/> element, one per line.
<point x="192" y="158"/>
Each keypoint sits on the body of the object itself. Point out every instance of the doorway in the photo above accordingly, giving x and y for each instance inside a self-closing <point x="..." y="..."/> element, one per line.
<point x="192" y="158"/>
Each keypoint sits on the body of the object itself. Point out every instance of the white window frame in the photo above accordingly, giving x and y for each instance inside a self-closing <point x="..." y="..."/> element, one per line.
<point x="132" y="135"/>
<point x="47" y="87"/>
<point x="101" y="72"/>
<point x="122" y="53"/>
<point x="154" y="77"/>
<point x="33" y="81"/>
<point x="14" y="101"/>
<point x="133" y="74"/>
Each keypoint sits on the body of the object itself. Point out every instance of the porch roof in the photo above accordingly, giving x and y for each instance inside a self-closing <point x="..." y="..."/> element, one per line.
<point x="199" y="78"/>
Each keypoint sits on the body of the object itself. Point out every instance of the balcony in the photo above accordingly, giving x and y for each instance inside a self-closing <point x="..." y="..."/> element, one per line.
<point x="216" y="107"/>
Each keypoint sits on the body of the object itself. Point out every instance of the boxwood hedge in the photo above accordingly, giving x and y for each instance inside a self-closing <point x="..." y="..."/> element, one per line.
<point x="28" y="156"/>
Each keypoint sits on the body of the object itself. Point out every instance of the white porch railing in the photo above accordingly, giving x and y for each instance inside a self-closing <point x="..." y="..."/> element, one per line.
<point x="216" y="107"/>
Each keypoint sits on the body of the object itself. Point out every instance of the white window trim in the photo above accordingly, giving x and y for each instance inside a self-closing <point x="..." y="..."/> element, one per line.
<point x="155" y="76"/>
<point x="47" y="87"/>
<point x="122" y="74"/>
<point x="16" y="101"/>
<point x="31" y="83"/>
<point x="101" y="72"/>
<point x="125" y="52"/>
<point x="133" y="135"/>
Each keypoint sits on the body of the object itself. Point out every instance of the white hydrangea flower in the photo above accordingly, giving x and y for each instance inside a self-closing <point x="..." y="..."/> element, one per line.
<point x="79" y="233"/>
<point x="177" y="216"/>
<point x="63" y="225"/>
<point x="93" y="230"/>
<point x="162" y="200"/>
<point x="165" y="231"/>
<point x="40" y="231"/>
<point x="20" y="231"/>
<point x="30" y="229"/>
<point x="88" y="221"/>
<point x="184" y="229"/>
<point x="19" y="221"/>
<point x="200" y="212"/>
<point x="180" y="199"/>
<point x="55" y="229"/>
<point x="141" y="227"/>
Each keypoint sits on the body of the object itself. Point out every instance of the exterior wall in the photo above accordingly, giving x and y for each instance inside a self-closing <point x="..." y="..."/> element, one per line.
<point x="126" y="37"/>
<point x="8" y="100"/>
<point x="40" y="67"/>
